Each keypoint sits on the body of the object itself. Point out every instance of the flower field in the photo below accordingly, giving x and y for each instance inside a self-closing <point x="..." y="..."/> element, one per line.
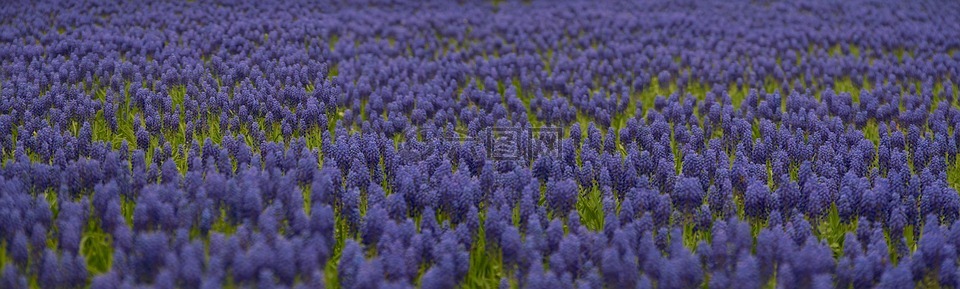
<point x="479" y="144"/>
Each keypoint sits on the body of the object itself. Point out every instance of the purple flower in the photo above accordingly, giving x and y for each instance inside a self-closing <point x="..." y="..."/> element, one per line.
<point x="370" y="275"/>
<point x="757" y="200"/>
<point x="511" y="246"/>
<point x="109" y="280"/>
<point x="790" y="196"/>
<point x="561" y="196"/>
<point x="897" y="276"/>
<point x="437" y="277"/>
<point x="149" y="250"/>
<point x="373" y="225"/>
<point x="747" y="273"/>
<point x="687" y="194"/>
<point x="940" y="200"/>
<point x="18" y="248"/>
<point x="50" y="275"/>
<point x="351" y="261"/>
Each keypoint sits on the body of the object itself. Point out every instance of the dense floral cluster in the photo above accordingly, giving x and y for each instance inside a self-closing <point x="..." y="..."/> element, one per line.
<point x="442" y="144"/>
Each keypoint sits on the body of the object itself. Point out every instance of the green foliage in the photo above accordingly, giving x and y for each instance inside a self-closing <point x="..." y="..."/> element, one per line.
<point x="833" y="230"/>
<point x="486" y="264"/>
<point x="590" y="207"/>
<point x="96" y="246"/>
